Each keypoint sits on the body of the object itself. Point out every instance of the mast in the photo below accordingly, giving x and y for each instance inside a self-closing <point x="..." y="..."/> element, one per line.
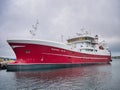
<point x="62" y="38"/>
<point x="34" y="29"/>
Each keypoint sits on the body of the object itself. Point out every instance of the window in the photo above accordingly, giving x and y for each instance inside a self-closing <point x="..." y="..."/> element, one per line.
<point x="27" y="51"/>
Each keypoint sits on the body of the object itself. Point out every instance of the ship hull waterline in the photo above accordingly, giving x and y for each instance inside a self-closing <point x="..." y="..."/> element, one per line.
<point x="42" y="67"/>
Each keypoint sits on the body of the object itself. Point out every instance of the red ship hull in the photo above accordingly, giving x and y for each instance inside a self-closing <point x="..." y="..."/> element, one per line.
<point x="39" y="56"/>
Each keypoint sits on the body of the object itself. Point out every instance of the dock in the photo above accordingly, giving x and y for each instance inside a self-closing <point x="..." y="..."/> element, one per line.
<point x="3" y="65"/>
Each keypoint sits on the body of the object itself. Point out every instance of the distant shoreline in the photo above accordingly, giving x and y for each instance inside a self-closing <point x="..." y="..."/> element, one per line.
<point x="6" y="59"/>
<point x="115" y="57"/>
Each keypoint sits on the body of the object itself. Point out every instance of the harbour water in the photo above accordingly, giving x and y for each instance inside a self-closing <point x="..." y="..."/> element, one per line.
<point x="93" y="77"/>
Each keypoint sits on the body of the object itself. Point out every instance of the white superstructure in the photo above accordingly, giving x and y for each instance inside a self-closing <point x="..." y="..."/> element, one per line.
<point x="89" y="45"/>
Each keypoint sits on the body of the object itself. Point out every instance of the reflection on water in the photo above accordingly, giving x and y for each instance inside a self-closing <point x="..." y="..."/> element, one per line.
<point x="94" y="77"/>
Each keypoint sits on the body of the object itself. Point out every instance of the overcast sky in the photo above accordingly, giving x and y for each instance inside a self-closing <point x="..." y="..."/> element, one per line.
<point x="59" y="17"/>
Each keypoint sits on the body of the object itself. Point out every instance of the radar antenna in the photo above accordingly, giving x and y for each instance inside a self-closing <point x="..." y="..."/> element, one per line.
<point x="82" y="32"/>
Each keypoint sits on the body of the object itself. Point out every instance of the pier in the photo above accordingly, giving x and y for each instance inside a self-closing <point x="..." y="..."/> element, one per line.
<point x="3" y="65"/>
<point x="4" y="61"/>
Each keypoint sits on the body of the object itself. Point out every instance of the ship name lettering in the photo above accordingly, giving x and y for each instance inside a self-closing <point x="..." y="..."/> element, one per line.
<point x="54" y="49"/>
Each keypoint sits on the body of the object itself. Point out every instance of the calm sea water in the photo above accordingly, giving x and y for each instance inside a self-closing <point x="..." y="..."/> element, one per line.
<point x="94" y="77"/>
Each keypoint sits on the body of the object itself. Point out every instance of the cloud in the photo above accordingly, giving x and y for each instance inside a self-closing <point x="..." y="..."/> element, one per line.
<point x="59" y="17"/>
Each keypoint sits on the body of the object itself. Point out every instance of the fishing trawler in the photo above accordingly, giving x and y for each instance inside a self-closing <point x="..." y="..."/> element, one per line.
<point x="34" y="54"/>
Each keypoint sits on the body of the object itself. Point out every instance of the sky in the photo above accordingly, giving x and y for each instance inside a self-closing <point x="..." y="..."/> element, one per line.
<point x="59" y="17"/>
